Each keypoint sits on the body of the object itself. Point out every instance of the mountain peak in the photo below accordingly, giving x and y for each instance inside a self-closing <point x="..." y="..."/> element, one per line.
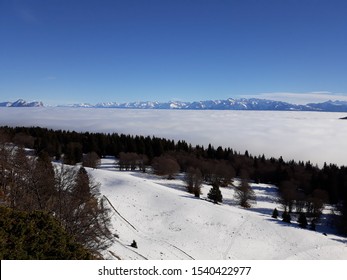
<point x="21" y="103"/>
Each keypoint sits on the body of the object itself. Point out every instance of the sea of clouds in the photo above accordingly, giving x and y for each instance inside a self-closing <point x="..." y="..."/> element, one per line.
<point x="315" y="136"/>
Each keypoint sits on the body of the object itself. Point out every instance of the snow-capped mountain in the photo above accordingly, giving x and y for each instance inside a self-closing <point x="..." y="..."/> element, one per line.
<point x="330" y="106"/>
<point x="228" y="104"/>
<point x="21" y="103"/>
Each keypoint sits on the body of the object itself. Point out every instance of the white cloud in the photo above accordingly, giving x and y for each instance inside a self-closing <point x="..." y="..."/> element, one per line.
<point x="315" y="136"/>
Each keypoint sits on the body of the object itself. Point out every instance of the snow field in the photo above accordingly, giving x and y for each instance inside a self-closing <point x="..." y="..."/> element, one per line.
<point x="169" y="223"/>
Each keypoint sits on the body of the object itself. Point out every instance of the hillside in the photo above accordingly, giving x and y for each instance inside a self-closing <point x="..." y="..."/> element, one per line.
<point x="168" y="223"/>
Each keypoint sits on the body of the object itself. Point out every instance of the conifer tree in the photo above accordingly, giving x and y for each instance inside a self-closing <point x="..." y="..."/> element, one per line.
<point x="215" y="194"/>
<point x="36" y="236"/>
<point x="286" y="217"/>
<point x="275" y="213"/>
<point x="302" y="220"/>
<point x="313" y="224"/>
<point x="134" y="244"/>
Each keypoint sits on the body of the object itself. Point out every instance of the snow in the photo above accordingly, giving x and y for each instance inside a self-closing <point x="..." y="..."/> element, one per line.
<point x="168" y="223"/>
<point x="315" y="136"/>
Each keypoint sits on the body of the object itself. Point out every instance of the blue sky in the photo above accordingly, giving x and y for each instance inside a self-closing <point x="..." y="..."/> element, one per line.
<point x="68" y="51"/>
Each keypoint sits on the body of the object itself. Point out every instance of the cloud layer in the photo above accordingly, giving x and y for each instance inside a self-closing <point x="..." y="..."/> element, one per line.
<point x="318" y="137"/>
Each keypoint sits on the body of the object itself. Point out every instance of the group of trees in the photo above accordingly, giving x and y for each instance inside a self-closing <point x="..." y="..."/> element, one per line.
<point x="68" y="194"/>
<point x="131" y="161"/>
<point x="302" y="219"/>
<point x="301" y="185"/>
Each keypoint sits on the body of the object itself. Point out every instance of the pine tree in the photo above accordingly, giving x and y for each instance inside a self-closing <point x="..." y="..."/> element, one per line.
<point x="302" y="220"/>
<point x="36" y="235"/>
<point x="215" y="194"/>
<point x="275" y="214"/>
<point x="134" y="244"/>
<point x="286" y="217"/>
<point x="81" y="189"/>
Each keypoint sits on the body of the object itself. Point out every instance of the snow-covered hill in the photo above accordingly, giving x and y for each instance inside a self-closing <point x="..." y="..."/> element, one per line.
<point x="168" y="223"/>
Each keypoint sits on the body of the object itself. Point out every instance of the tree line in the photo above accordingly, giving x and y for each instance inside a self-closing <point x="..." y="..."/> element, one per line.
<point x="303" y="187"/>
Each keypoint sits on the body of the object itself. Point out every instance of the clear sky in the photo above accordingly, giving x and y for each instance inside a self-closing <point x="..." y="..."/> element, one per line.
<point x="69" y="51"/>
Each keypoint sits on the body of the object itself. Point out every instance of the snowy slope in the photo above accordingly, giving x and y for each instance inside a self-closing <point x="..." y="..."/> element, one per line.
<point x="168" y="223"/>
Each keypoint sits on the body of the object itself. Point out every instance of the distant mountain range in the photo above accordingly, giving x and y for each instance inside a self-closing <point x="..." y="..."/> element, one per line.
<point x="21" y="103"/>
<point x="228" y="104"/>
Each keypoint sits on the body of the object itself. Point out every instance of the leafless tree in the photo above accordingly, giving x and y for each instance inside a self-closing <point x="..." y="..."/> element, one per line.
<point x="91" y="160"/>
<point x="81" y="210"/>
<point x="193" y="179"/>
<point x="165" y="166"/>
<point x="244" y="194"/>
<point x="316" y="202"/>
<point x="288" y="195"/>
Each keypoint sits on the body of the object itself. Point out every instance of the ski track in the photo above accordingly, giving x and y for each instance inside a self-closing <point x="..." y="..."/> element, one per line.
<point x="144" y="235"/>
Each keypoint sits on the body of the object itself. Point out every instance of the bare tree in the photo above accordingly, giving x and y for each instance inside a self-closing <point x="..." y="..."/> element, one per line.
<point x="165" y="166"/>
<point x="131" y="161"/>
<point x="193" y="179"/>
<point x="81" y="210"/>
<point x="142" y="162"/>
<point x="128" y="161"/>
<point x="288" y="195"/>
<point x="41" y="182"/>
<point x="218" y="173"/>
<point x="316" y="202"/>
<point x="91" y="160"/>
<point x="244" y="194"/>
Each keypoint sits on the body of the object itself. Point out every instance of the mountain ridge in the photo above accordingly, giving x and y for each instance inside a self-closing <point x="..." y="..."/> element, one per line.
<point x="21" y="103"/>
<point x="256" y="104"/>
<point x="227" y="104"/>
